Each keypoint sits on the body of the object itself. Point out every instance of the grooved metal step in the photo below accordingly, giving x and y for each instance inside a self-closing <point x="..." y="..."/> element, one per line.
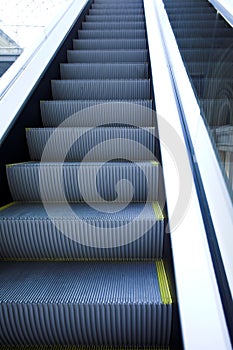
<point x="101" y="89"/>
<point x="93" y="181"/>
<point x="93" y="303"/>
<point x="135" y="2"/>
<point x="104" y="71"/>
<point x="117" y="5"/>
<point x="96" y="113"/>
<point x="79" y="231"/>
<point x="210" y="24"/>
<point x="181" y="16"/>
<point x="203" y="33"/>
<point x="118" y="18"/>
<point x="200" y="55"/>
<point x="113" y="25"/>
<point x="195" y="43"/>
<point x="213" y="87"/>
<point x="92" y="144"/>
<point x="192" y="9"/>
<point x="112" y="34"/>
<point x="187" y="5"/>
<point x="109" y="44"/>
<point x="210" y="69"/>
<point x="107" y="56"/>
<point x="120" y="11"/>
<point x="218" y="112"/>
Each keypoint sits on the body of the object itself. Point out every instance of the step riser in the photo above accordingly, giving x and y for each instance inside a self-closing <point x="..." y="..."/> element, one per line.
<point x="200" y="33"/>
<point x="119" y="18"/>
<point x="41" y="239"/>
<point x="191" y="16"/>
<point x="113" y="25"/>
<point x="218" y="112"/>
<point x="210" y="70"/>
<point x="112" y="34"/>
<point x="205" y="44"/>
<point x="25" y="182"/>
<point x="108" y="44"/>
<point x="105" y="56"/>
<point x="207" y="55"/>
<point x="106" y="2"/>
<point x="194" y="10"/>
<point x="104" y="71"/>
<point x="117" y="6"/>
<point x="113" y="12"/>
<point x="92" y="113"/>
<point x="86" y="307"/>
<point x="207" y="88"/>
<point x="104" y="144"/>
<point x="59" y="317"/>
<point x="108" y="90"/>
<point x="214" y="25"/>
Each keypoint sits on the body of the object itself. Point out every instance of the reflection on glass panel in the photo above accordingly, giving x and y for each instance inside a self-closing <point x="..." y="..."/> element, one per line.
<point x="205" y="42"/>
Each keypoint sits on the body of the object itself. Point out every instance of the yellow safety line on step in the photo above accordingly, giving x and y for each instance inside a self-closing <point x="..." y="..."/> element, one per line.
<point x="158" y="211"/>
<point x="14" y="164"/>
<point x="7" y="206"/>
<point x="163" y="283"/>
<point x="153" y="162"/>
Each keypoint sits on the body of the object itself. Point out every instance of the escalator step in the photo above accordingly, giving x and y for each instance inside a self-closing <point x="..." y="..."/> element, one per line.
<point x="187" y="4"/>
<point x="109" y="44"/>
<point x="213" y="87"/>
<point x="119" y="18"/>
<point x="181" y="16"/>
<point x="203" y="33"/>
<point x="218" y="112"/>
<point x="74" y="347"/>
<point x="93" y="303"/>
<point x="195" y="43"/>
<point x="135" y="2"/>
<point x="93" y="182"/>
<point x="112" y="34"/>
<point x="79" y="231"/>
<point x="207" y="69"/>
<point x="104" y="71"/>
<point x="121" y="11"/>
<point x="107" y="56"/>
<point x="96" y="113"/>
<point x="100" y="89"/>
<point x="200" y="55"/>
<point x="64" y="347"/>
<point x="92" y="144"/>
<point x="117" y="5"/>
<point x="113" y="25"/>
<point x="190" y="10"/>
<point x="211" y="24"/>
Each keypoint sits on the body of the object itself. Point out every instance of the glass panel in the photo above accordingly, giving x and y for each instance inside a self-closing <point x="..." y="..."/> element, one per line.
<point x="205" y="42"/>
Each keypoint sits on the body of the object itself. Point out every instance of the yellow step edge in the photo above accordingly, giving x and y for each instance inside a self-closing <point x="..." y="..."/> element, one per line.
<point x="14" y="164"/>
<point x="158" y="211"/>
<point x="163" y="283"/>
<point x="154" y="162"/>
<point x="7" y="206"/>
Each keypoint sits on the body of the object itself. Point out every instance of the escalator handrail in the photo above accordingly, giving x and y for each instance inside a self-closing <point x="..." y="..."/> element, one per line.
<point x="18" y="82"/>
<point x="170" y="77"/>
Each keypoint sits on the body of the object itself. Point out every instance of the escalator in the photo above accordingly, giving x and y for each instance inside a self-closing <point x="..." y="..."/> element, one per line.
<point x="205" y="43"/>
<point x="81" y="253"/>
